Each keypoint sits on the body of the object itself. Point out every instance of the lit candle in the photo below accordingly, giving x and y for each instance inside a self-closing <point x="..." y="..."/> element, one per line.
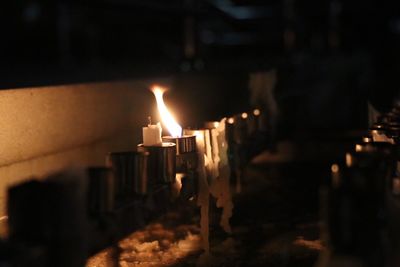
<point x="152" y="134"/>
<point x="168" y="120"/>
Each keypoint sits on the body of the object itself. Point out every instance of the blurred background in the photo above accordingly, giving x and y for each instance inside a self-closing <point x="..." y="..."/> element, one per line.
<point x="313" y="65"/>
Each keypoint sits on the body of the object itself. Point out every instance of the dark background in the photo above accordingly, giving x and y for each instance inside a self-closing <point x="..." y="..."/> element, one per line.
<point x="331" y="57"/>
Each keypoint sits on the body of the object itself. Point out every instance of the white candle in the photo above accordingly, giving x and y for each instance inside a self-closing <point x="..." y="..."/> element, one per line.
<point x="209" y="163"/>
<point x="152" y="135"/>
<point x="203" y="189"/>
<point x="203" y="198"/>
<point x="215" y="151"/>
<point x="220" y="187"/>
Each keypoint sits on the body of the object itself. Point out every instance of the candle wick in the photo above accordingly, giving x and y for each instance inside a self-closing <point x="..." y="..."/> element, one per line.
<point x="149" y="118"/>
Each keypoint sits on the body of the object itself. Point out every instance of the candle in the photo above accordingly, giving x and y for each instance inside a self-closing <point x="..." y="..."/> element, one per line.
<point x="215" y="153"/>
<point x="168" y="120"/>
<point x="203" y="199"/>
<point x="209" y="161"/>
<point x="220" y="187"/>
<point x="152" y="134"/>
<point x="225" y="198"/>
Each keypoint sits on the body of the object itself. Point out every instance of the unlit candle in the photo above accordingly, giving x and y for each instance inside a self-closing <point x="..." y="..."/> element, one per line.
<point x="152" y="135"/>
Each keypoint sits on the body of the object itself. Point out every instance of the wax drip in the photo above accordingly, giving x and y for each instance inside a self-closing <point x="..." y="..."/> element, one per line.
<point x="203" y="202"/>
<point x="220" y="187"/>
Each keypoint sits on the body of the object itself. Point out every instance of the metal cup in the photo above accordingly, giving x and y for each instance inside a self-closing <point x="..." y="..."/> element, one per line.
<point x="161" y="166"/>
<point x="100" y="190"/>
<point x="186" y="152"/>
<point x="130" y="171"/>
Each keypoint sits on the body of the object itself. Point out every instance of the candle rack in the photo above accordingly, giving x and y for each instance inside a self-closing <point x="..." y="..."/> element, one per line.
<point x="247" y="136"/>
<point x="133" y="188"/>
<point x="363" y="197"/>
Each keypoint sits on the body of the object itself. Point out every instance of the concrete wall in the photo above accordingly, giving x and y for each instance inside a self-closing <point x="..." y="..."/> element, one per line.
<point x="49" y="128"/>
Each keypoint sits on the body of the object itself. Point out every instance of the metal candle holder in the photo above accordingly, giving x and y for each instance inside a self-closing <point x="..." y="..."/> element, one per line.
<point x="186" y="157"/>
<point x="100" y="195"/>
<point x="130" y="172"/>
<point x="186" y="162"/>
<point x="161" y="168"/>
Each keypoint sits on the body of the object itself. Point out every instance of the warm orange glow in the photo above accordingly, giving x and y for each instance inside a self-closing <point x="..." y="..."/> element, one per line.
<point x="167" y="119"/>
<point x="358" y="148"/>
<point x="244" y="115"/>
<point x="335" y="175"/>
<point x="335" y="168"/>
<point x="231" y="120"/>
<point x="349" y="159"/>
<point x="256" y="112"/>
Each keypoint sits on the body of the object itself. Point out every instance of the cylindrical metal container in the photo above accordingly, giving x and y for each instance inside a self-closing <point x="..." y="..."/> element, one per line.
<point x="100" y="190"/>
<point x="186" y="156"/>
<point x="241" y="132"/>
<point x="387" y="151"/>
<point x="393" y="131"/>
<point x="184" y="144"/>
<point x="161" y="166"/>
<point x="373" y="166"/>
<point x="233" y="157"/>
<point x="253" y="122"/>
<point x="203" y="139"/>
<point x="389" y="117"/>
<point x="354" y="207"/>
<point x="130" y="172"/>
<point x="377" y="147"/>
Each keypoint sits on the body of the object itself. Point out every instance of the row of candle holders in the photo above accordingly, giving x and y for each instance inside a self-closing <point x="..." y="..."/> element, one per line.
<point x="247" y="135"/>
<point x="361" y="201"/>
<point x="61" y="219"/>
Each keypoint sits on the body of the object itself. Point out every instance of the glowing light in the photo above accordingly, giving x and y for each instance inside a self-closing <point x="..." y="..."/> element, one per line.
<point x="244" y="115"/>
<point x="349" y="159"/>
<point x="335" y="175"/>
<point x="167" y="119"/>
<point x="256" y="112"/>
<point x="231" y="120"/>
<point x="335" y="168"/>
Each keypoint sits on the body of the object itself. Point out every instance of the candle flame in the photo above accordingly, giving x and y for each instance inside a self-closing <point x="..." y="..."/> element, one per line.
<point x="167" y="119"/>
<point x="335" y="168"/>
